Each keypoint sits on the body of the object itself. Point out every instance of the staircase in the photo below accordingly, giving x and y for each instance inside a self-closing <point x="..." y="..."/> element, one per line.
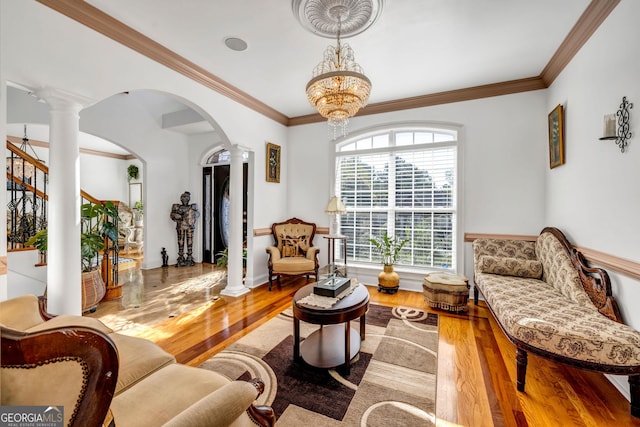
<point x="27" y="203"/>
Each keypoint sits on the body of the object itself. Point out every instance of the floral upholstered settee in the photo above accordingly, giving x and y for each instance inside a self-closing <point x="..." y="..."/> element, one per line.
<point x="102" y="378"/>
<point x="293" y="253"/>
<point x="550" y="303"/>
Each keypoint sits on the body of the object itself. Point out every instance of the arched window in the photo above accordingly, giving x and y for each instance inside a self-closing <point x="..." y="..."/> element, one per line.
<point x="403" y="182"/>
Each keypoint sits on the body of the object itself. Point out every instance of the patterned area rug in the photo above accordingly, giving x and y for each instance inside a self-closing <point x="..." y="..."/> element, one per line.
<point x="392" y="381"/>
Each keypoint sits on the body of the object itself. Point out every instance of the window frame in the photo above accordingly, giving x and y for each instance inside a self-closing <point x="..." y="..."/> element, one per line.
<point x="456" y="208"/>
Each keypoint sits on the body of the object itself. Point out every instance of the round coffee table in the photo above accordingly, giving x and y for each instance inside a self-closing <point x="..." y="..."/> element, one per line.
<point x="333" y="344"/>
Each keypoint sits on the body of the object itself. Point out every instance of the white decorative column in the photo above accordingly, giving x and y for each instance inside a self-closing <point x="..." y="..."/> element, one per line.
<point x="4" y="291"/>
<point x="235" y="287"/>
<point x="64" y="273"/>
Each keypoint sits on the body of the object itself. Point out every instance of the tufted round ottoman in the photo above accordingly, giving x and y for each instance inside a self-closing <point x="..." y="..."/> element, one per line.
<point x="446" y="291"/>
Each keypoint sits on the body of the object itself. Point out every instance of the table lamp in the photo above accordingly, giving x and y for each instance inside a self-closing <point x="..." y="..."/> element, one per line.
<point x="335" y="208"/>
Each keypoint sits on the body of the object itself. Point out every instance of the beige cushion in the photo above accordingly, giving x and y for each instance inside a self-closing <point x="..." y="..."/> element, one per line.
<point x="293" y="232"/>
<point x="165" y="394"/>
<point x="532" y="311"/>
<point x="294" y="246"/>
<point x="219" y="408"/>
<point x="57" y="383"/>
<point x="508" y="266"/>
<point x="66" y="320"/>
<point x="445" y="281"/>
<point x="20" y="313"/>
<point x="138" y="358"/>
<point x="292" y="265"/>
<point x="559" y="271"/>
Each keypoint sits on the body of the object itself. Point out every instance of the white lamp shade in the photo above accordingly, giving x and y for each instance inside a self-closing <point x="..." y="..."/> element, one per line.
<point x="335" y="206"/>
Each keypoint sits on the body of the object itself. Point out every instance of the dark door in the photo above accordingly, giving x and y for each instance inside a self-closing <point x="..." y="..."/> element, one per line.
<point x="216" y="225"/>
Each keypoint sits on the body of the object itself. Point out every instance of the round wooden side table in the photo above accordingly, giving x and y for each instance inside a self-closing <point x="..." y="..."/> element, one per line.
<point x="333" y="344"/>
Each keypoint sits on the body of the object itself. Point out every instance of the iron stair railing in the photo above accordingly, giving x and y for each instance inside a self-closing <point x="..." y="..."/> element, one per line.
<point x="27" y="208"/>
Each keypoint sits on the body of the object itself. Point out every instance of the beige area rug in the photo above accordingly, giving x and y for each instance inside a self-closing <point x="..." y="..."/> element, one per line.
<point x="143" y="307"/>
<point x="391" y="383"/>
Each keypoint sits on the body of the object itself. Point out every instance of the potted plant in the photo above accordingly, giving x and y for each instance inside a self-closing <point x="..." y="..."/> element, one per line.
<point x="222" y="259"/>
<point x="389" y="248"/>
<point x="99" y="224"/>
<point x="132" y="172"/>
<point x="39" y="241"/>
<point x="138" y="209"/>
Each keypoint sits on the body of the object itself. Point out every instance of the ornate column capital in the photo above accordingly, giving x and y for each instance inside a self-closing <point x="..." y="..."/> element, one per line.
<point x="60" y="100"/>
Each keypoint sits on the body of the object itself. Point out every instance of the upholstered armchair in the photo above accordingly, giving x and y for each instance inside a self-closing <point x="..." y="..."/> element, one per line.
<point x="293" y="253"/>
<point x="97" y="377"/>
<point x="129" y="237"/>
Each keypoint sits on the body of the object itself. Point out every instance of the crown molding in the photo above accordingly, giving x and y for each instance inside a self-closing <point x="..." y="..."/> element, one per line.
<point x="92" y="17"/>
<point x="448" y="97"/>
<point x="593" y="16"/>
<point x="34" y="142"/>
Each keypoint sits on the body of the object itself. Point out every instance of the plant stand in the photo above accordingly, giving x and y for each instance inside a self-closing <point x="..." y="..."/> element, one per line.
<point x="93" y="290"/>
<point x="113" y="290"/>
<point x="388" y="280"/>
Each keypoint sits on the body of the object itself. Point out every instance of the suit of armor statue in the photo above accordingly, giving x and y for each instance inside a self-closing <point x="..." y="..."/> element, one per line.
<point x="185" y="216"/>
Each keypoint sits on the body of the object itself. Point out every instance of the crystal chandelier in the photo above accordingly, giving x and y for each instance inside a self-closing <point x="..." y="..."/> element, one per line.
<point x="23" y="169"/>
<point x="338" y="88"/>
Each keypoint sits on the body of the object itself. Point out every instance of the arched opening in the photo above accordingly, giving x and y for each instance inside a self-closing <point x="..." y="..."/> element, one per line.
<point x="216" y="207"/>
<point x="162" y="134"/>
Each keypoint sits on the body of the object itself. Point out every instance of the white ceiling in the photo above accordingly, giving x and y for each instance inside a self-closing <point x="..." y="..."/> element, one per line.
<point x="417" y="47"/>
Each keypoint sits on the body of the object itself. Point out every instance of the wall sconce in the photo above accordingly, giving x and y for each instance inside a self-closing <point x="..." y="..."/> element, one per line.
<point x="618" y="131"/>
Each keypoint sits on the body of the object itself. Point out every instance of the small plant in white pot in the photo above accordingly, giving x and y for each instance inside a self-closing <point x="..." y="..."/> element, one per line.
<point x="389" y="248"/>
<point x="138" y="213"/>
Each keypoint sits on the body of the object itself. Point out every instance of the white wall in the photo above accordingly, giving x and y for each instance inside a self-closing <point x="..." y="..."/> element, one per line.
<point x="23" y="278"/>
<point x="105" y="178"/>
<point x="3" y="194"/>
<point x="60" y="53"/>
<point x="504" y="148"/>
<point x="594" y="197"/>
<point x="163" y="155"/>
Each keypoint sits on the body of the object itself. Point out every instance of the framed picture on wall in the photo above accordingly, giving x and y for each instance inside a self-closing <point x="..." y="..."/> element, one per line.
<point x="135" y="193"/>
<point x="273" y="162"/>
<point x="556" y="137"/>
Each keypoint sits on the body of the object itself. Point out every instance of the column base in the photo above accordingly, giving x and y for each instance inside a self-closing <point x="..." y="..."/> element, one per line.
<point x="234" y="292"/>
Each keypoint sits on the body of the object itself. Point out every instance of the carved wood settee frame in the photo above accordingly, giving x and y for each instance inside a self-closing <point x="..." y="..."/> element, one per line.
<point x="597" y="285"/>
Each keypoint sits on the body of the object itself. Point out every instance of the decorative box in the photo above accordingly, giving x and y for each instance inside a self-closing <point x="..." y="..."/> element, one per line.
<point x="331" y="287"/>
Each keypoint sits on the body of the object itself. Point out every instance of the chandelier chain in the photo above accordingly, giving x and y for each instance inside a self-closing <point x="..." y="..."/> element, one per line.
<point x="338" y="88"/>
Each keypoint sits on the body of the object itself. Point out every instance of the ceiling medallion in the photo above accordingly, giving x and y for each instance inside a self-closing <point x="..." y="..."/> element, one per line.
<point x="320" y="17"/>
<point x="338" y="88"/>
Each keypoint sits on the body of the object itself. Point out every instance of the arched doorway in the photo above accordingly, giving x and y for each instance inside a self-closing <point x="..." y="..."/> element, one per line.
<point x="215" y="203"/>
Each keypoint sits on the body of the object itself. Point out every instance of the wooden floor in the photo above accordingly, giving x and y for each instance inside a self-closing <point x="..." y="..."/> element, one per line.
<point x="476" y="363"/>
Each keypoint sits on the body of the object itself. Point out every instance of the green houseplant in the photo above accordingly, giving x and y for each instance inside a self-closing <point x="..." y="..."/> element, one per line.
<point x="222" y="258"/>
<point x="94" y="230"/>
<point x="99" y="222"/>
<point x="138" y="214"/>
<point x="39" y="241"/>
<point x="389" y="248"/>
<point x="132" y="172"/>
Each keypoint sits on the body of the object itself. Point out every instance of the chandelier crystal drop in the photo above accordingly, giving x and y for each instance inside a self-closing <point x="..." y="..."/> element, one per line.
<point x="338" y="88"/>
